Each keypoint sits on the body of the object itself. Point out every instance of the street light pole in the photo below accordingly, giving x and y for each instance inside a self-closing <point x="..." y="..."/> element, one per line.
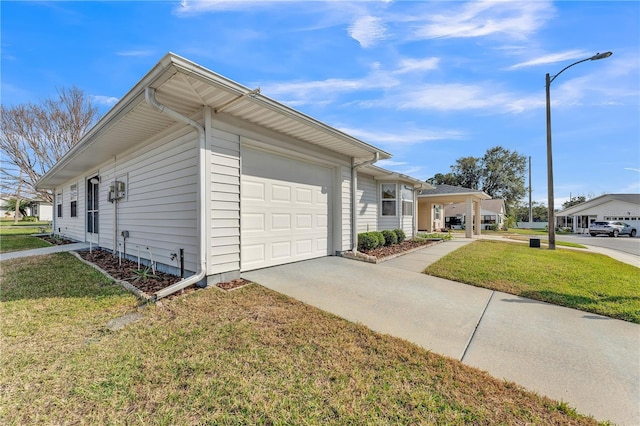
<point x="548" y="80"/>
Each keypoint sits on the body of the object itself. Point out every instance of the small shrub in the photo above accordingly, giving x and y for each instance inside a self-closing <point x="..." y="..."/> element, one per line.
<point x="381" y="240"/>
<point x="390" y="237"/>
<point x="29" y="219"/>
<point x="367" y="241"/>
<point x="400" y="234"/>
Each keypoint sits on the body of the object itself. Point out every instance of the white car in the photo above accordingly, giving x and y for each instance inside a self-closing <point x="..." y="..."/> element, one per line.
<point x="612" y="229"/>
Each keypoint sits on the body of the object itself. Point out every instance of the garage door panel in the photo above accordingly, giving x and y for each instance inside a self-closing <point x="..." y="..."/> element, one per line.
<point x="285" y="210"/>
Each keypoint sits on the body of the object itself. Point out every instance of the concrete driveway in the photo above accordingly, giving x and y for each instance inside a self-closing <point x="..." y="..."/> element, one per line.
<point x="589" y="361"/>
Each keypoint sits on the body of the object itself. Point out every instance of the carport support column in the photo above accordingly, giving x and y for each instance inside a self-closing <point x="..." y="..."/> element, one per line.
<point x="478" y="221"/>
<point x="468" y="218"/>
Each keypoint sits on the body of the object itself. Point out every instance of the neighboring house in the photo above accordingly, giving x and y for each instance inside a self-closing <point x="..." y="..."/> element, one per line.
<point x="619" y="207"/>
<point x="191" y="162"/>
<point x="41" y="209"/>
<point x="387" y="200"/>
<point x="492" y="213"/>
<point x="432" y="202"/>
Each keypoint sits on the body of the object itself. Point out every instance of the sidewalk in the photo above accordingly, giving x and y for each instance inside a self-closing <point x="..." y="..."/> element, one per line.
<point x="44" y="250"/>
<point x="587" y="360"/>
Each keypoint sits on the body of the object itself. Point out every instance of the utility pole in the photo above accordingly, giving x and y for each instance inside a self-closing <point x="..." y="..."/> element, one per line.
<point x="530" y="205"/>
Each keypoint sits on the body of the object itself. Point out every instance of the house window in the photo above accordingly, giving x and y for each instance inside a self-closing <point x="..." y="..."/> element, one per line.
<point x="488" y="219"/>
<point x="59" y="203"/>
<point x="74" y="200"/>
<point x="388" y="199"/>
<point x="407" y="201"/>
<point x="436" y="212"/>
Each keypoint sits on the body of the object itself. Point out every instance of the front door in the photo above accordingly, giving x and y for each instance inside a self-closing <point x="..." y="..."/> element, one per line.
<point x="93" y="184"/>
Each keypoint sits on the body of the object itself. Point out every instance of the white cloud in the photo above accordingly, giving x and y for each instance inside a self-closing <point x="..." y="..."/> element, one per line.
<point x="407" y="136"/>
<point x="104" y="100"/>
<point x="480" y="19"/>
<point x="367" y="30"/>
<point x="553" y="58"/>
<point x="632" y="169"/>
<point x="189" y="8"/>
<point x="411" y="65"/>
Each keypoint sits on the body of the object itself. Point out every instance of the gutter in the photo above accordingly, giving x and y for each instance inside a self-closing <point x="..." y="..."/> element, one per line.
<point x="150" y="97"/>
<point x="354" y="200"/>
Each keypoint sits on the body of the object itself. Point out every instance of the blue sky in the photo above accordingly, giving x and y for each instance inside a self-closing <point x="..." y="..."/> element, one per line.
<point x="429" y="82"/>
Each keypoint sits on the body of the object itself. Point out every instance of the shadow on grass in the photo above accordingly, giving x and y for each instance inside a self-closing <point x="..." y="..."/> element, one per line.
<point x="58" y="275"/>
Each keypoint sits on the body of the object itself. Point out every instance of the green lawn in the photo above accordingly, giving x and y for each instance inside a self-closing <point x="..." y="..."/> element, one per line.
<point x="13" y="238"/>
<point x="250" y="356"/>
<point x="587" y="281"/>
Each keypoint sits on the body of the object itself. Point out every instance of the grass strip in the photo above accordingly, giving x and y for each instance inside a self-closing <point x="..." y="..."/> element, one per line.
<point x="250" y="356"/>
<point x="587" y="281"/>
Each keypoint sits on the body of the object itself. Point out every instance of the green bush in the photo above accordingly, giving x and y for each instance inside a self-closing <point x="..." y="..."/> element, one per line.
<point x="367" y="241"/>
<point x="381" y="240"/>
<point x="400" y="235"/>
<point x="29" y="219"/>
<point x="390" y="237"/>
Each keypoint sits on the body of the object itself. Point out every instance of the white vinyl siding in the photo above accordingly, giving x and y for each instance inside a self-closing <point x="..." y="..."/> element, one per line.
<point x="67" y="226"/>
<point x="224" y="249"/>
<point x="346" y="206"/>
<point x="367" y="204"/>
<point x="159" y="210"/>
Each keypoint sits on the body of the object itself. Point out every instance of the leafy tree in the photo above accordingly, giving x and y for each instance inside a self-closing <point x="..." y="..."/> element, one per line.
<point x="540" y="212"/>
<point x="500" y="173"/>
<point x="503" y="174"/>
<point x="574" y="201"/>
<point x="10" y="205"/>
<point x="469" y="172"/>
<point x="34" y="137"/>
<point x="440" y="179"/>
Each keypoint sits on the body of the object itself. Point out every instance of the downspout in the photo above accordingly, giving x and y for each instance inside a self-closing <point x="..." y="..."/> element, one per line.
<point x="354" y="199"/>
<point x="200" y="205"/>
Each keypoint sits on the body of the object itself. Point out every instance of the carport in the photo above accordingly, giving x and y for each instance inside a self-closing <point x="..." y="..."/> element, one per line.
<point x="431" y="204"/>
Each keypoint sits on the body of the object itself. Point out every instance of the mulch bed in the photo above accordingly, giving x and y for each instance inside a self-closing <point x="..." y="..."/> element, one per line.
<point x="127" y="270"/>
<point x="381" y="252"/>
<point x="56" y="241"/>
<point x="143" y="279"/>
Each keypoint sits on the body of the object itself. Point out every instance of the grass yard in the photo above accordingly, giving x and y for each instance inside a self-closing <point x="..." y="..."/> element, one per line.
<point x="587" y="281"/>
<point x="249" y="356"/>
<point x="13" y="238"/>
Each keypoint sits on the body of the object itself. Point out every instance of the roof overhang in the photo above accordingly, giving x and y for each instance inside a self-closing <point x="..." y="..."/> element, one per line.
<point x="378" y="173"/>
<point x="186" y="88"/>
<point x="458" y="197"/>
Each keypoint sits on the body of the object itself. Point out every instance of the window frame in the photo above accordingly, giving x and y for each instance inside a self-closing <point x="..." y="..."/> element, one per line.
<point x="386" y="200"/>
<point x="59" y="209"/>
<point x="73" y="204"/>
<point x="407" y="203"/>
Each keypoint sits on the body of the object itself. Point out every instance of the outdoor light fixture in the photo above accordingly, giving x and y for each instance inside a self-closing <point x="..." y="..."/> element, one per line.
<point x="549" y="79"/>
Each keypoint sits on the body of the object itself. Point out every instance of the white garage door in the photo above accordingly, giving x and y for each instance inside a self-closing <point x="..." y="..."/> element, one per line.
<point x="285" y="210"/>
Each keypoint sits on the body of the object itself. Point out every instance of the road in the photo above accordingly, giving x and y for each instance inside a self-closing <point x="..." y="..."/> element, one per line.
<point x="623" y="244"/>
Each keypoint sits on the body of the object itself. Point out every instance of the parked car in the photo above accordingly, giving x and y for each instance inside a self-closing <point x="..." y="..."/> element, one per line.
<point x="612" y="229"/>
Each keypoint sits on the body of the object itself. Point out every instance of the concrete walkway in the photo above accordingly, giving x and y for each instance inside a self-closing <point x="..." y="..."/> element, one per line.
<point x="44" y="250"/>
<point x="590" y="361"/>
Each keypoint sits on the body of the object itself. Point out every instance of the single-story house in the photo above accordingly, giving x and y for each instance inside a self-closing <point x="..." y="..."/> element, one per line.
<point x="432" y="204"/>
<point x="620" y="207"/>
<point x="189" y="164"/>
<point x="492" y="213"/>
<point x="39" y="208"/>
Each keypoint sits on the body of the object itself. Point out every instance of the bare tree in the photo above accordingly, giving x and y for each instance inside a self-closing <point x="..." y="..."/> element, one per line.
<point x="34" y="137"/>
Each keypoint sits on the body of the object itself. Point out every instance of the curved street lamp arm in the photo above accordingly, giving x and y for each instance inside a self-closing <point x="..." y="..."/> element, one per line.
<point x="593" y="58"/>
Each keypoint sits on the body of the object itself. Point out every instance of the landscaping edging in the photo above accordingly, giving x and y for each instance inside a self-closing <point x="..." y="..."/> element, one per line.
<point x="363" y="257"/>
<point x="124" y="284"/>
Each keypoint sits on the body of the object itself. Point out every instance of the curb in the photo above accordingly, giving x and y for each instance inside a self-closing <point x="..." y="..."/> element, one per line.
<point x="363" y="257"/>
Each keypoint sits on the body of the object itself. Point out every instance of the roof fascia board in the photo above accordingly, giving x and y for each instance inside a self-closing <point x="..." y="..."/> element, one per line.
<point x="129" y="101"/>
<point x="207" y="76"/>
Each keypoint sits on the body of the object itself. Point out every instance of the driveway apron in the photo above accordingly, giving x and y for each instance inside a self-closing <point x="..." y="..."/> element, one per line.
<point x="589" y="361"/>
